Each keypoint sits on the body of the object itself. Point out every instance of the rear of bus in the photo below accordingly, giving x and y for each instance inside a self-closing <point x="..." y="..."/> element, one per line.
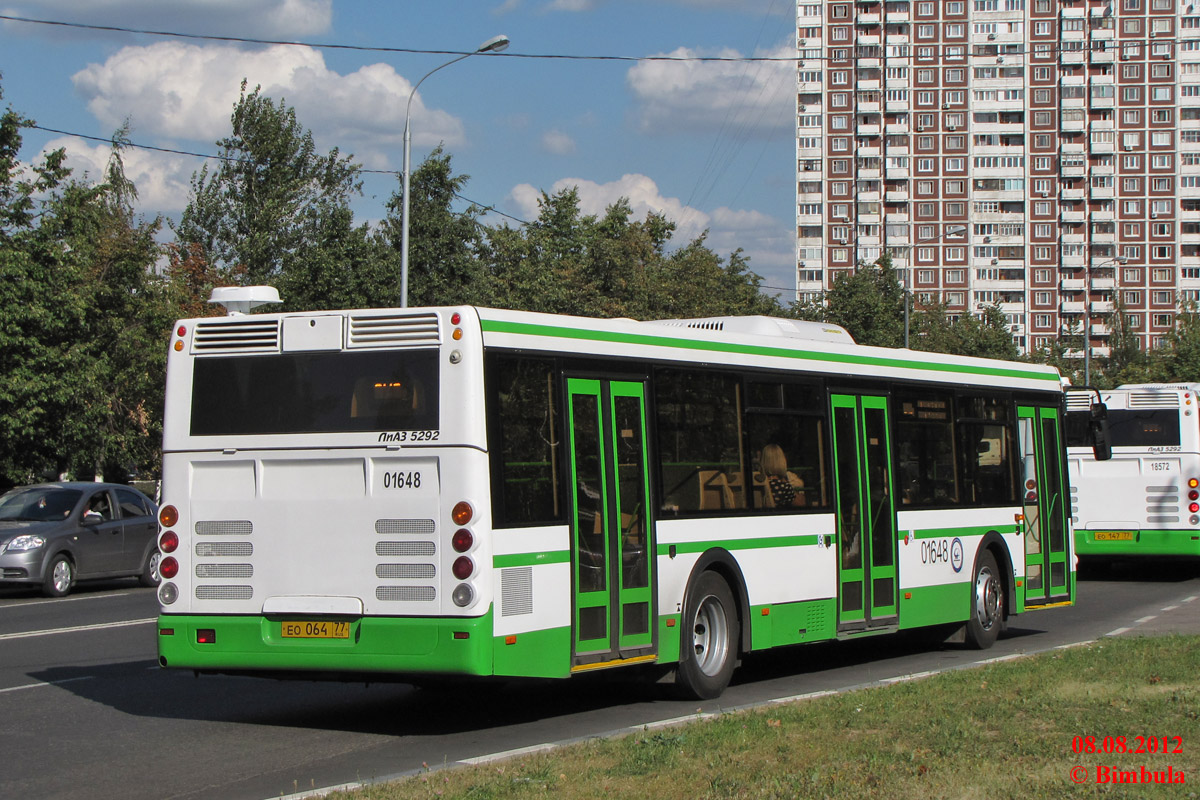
<point x="325" y="504"/>
<point x="1145" y="500"/>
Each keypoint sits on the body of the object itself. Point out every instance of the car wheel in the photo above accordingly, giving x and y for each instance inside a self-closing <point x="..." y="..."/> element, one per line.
<point x="987" y="603"/>
<point x="709" y="646"/>
<point x="149" y="576"/>
<point x="60" y="575"/>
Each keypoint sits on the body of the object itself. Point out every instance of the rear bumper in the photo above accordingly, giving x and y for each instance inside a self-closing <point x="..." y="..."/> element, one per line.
<point x="398" y="645"/>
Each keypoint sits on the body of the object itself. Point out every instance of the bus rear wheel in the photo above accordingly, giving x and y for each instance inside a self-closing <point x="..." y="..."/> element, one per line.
<point x="708" y="650"/>
<point x="987" y="603"/>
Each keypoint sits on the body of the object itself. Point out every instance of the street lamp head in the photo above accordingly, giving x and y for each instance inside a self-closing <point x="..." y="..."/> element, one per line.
<point x="493" y="45"/>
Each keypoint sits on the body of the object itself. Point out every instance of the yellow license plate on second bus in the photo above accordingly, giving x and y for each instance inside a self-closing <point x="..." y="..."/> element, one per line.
<point x="315" y="629"/>
<point x="1114" y="536"/>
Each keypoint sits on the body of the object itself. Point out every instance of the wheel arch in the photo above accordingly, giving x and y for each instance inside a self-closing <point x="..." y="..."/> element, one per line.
<point x="993" y="542"/>
<point x="722" y="562"/>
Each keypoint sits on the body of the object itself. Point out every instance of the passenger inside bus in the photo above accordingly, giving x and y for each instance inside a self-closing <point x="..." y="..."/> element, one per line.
<point x="786" y="488"/>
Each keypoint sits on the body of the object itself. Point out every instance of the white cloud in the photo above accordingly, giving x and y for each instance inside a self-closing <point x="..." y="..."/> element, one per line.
<point x="740" y="97"/>
<point x="254" y="18"/>
<point x="184" y="91"/>
<point x="557" y="143"/>
<point x="162" y="179"/>
<point x="569" y="5"/>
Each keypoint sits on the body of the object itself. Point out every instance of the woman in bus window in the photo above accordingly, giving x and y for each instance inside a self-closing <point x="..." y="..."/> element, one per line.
<point x="785" y="487"/>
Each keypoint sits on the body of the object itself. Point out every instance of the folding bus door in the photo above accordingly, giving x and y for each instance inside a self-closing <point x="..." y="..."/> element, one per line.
<point x="1047" y="577"/>
<point x="866" y="513"/>
<point x="612" y="549"/>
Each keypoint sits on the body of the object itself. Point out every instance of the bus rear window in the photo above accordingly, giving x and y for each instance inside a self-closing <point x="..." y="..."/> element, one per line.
<point x="1143" y="427"/>
<point x="315" y="393"/>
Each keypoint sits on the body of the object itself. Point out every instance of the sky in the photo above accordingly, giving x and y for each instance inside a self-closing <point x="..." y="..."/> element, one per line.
<point x="710" y="144"/>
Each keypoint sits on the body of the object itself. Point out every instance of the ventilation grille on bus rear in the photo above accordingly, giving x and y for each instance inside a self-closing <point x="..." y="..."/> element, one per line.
<point x="247" y="335"/>
<point x="398" y="567"/>
<point x="225" y="527"/>
<point x="224" y="592"/>
<point x="1152" y="399"/>
<point x="392" y="330"/>
<point x="1162" y="503"/>
<point x="1080" y="401"/>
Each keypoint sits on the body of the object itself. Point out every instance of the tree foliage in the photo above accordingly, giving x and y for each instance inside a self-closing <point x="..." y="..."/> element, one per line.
<point x="270" y="199"/>
<point x="82" y="319"/>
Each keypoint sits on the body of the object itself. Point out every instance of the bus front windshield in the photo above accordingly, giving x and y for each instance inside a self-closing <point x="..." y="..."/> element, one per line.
<point x="315" y="393"/>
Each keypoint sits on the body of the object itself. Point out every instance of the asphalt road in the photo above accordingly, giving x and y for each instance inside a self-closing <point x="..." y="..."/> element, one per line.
<point x="86" y="713"/>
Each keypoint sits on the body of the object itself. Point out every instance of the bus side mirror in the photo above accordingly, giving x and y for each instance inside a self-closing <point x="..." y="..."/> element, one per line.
<point x="1098" y="432"/>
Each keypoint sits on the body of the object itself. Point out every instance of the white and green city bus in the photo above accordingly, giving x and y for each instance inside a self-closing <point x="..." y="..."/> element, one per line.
<point x="467" y="491"/>
<point x="1144" y="500"/>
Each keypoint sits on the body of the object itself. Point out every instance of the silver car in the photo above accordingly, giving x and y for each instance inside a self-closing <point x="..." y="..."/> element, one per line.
<point x="54" y="534"/>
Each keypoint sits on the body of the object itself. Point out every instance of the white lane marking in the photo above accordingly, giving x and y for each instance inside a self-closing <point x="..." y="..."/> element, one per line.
<point x="1169" y="608"/>
<point x="77" y="628"/>
<point x="1118" y="632"/>
<point x="1144" y="620"/>
<point x="915" y="676"/>
<point x="28" y="603"/>
<point x="46" y="683"/>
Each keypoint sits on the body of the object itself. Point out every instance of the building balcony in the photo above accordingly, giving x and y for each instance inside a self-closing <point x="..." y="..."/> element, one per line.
<point x="866" y="85"/>
<point x="1102" y="102"/>
<point x="1107" y="56"/>
<point x="1074" y="307"/>
<point x="895" y="196"/>
<point x="1071" y="56"/>
<point x="1073" y="194"/>
<point x="1104" y="216"/>
<point x="1073" y="171"/>
<point x="1102" y="192"/>
<point x="1074" y="285"/>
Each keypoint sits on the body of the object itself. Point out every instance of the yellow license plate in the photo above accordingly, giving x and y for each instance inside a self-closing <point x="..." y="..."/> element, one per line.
<point x="1114" y="536"/>
<point x="314" y="629"/>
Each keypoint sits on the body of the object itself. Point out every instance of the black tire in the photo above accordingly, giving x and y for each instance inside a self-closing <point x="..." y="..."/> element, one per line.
<point x="149" y="575"/>
<point x="987" y="603"/>
<point x="708" y="649"/>
<point x="59" y="578"/>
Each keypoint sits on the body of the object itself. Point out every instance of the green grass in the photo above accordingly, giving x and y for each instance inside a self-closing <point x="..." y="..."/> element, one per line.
<point x="1000" y="731"/>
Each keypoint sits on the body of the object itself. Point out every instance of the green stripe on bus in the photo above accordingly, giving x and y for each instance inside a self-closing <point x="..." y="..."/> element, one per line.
<point x="646" y="340"/>
<point x="977" y="530"/>
<point x="739" y="544"/>
<point x="531" y="559"/>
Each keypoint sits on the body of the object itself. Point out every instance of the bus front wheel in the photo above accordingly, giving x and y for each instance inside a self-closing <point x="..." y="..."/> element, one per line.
<point x="987" y="603"/>
<point x="708" y="650"/>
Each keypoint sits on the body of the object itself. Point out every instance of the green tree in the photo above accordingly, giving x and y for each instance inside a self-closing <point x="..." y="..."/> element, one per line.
<point x="868" y="302"/>
<point x="443" y="266"/>
<point x="270" y="199"/>
<point x="1179" y="360"/>
<point x="81" y="328"/>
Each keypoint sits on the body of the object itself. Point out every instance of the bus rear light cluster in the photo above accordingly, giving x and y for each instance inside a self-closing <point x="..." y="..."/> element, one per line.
<point x="168" y="542"/>
<point x="463" y="567"/>
<point x="1193" y="497"/>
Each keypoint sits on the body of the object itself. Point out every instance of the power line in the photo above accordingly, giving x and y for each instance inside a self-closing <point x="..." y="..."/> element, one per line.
<point x="125" y="143"/>
<point x="378" y="49"/>
<point x="1022" y="50"/>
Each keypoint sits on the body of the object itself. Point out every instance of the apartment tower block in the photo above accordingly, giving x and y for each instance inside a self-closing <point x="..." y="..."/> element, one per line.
<point x="1042" y="154"/>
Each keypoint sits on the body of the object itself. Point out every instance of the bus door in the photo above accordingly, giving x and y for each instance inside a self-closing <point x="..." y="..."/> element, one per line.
<point x="611" y="548"/>
<point x="1044" y="505"/>
<point x="866" y="513"/>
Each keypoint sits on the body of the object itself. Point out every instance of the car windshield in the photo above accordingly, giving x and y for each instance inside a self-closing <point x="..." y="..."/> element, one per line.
<point x="38" y="504"/>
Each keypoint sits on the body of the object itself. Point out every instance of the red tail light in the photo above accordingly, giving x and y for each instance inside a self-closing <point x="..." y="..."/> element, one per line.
<point x="168" y="568"/>
<point x="463" y="567"/>
<point x="462" y="540"/>
<point x="168" y="542"/>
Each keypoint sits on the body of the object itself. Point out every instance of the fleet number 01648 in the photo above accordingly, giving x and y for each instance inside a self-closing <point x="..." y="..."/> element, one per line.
<point x="402" y="480"/>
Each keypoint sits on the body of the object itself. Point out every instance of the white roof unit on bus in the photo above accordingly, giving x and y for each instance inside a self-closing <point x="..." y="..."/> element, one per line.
<point x="764" y="326"/>
<point x="239" y="300"/>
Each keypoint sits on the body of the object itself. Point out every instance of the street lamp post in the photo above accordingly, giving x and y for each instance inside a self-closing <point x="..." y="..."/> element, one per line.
<point x="955" y="230"/>
<point x="1087" y="328"/>
<point x="492" y="45"/>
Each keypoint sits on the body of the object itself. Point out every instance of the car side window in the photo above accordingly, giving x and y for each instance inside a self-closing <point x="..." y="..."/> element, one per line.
<point x="100" y="504"/>
<point x="131" y="504"/>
